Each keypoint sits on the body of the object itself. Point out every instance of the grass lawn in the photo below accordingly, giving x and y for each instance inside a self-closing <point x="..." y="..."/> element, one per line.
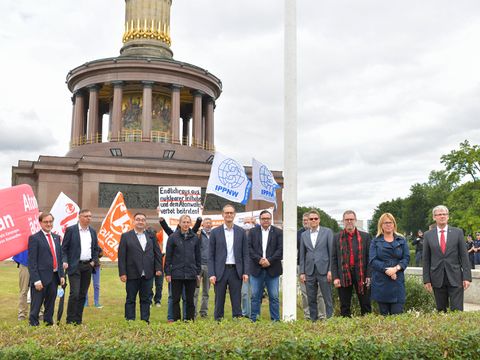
<point x="112" y="297"/>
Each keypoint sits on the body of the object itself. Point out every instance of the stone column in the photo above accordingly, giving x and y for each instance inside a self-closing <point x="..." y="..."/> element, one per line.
<point x="147" y="110"/>
<point x="92" y="114"/>
<point x="72" y="128"/>
<point x="197" y="119"/>
<point x="175" y="114"/>
<point x="117" y="110"/>
<point x="209" y="121"/>
<point x="79" y="118"/>
<point x="186" y="130"/>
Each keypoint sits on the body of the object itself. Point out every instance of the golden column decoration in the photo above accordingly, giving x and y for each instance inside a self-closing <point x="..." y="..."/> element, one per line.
<point x="147" y="28"/>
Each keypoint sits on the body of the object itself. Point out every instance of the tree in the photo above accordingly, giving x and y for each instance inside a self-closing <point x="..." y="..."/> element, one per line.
<point x="325" y="219"/>
<point x="464" y="207"/>
<point x="463" y="162"/>
<point x="416" y="209"/>
<point x="394" y="207"/>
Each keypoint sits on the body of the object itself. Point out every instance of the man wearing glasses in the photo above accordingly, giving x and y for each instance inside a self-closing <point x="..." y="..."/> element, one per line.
<point x="266" y="253"/>
<point x="45" y="268"/>
<point x="139" y="260"/>
<point x="316" y="248"/>
<point x="228" y="263"/>
<point x="350" y="265"/>
<point x="446" y="268"/>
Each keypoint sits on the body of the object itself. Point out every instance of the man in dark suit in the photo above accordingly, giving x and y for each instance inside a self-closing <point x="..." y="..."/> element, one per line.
<point x="45" y="268"/>
<point x="350" y="265"/>
<point x="228" y="263"/>
<point x="139" y="260"/>
<point x="80" y="255"/>
<point x="316" y="248"/>
<point x="446" y="267"/>
<point x="266" y="253"/>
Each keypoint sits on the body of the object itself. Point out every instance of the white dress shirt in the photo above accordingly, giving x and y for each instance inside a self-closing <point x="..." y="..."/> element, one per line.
<point x="229" y="239"/>
<point x="85" y="244"/>
<point x="313" y="236"/>
<point x="265" y="241"/>
<point x="143" y="243"/>
<point x="440" y="234"/>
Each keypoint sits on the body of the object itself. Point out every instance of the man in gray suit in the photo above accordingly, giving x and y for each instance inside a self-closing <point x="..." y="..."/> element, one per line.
<point x="316" y="248"/>
<point x="228" y="263"/>
<point x="446" y="267"/>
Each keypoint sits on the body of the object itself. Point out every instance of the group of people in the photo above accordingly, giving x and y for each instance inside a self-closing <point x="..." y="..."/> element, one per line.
<point x="50" y="259"/>
<point x="375" y="268"/>
<point x="228" y="256"/>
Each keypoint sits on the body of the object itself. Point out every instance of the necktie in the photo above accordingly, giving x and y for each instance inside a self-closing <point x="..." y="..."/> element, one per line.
<point x="443" y="244"/>
<point x="50" y="242"/>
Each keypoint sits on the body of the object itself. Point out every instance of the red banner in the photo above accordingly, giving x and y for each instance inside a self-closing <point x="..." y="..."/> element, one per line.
<point x="18" y="219"/>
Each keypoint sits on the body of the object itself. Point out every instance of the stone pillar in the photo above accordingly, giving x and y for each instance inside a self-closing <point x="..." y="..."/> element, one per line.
<point x="79" y="118"/>
<point x="209" y="121"/>
<point x="92" y="114"/>
<point x="117" y="110"/>
<point x="197" y="119"/>
<point x="175" y="114"/>
<point x="72" y="129"/>
<point x="186" y="130"/>
<point x="147" y="110"/>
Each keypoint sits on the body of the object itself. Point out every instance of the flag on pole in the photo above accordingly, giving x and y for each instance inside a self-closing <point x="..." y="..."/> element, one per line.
<point x="228" y="180"/>
<point x="117" y="222"/>
<point x="264" y="184"/>
<point x="65" y="213"/>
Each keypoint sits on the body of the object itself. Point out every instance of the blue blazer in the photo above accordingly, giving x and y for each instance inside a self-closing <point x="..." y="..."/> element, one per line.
<point x="71" y="247"/>
<point x="218" y="252"/>
<point x="40" y="259"/>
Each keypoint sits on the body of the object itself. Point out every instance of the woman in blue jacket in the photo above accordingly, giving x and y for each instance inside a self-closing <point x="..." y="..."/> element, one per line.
<point x="389" y="257"/>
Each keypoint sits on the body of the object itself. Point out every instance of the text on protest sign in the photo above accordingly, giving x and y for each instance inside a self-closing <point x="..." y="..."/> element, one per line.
<point x="175" y="201"/>
<point x="18" y="219"/>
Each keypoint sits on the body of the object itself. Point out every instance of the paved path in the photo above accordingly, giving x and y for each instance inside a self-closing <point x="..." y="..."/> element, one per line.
<point x="471" y="307"/>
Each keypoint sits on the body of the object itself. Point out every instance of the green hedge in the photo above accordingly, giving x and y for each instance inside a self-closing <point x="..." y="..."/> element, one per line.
<point x="409" y="336"/>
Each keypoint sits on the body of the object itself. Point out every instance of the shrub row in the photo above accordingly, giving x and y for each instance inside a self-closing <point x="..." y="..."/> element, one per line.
<point x="409" y="336"/>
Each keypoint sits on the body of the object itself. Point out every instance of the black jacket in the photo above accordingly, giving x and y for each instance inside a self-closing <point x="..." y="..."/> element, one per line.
<point x="183" y="256"/>
<point x="337" y="256"/>
<point x="132" y="260"/>
<point x="274" y="251"/>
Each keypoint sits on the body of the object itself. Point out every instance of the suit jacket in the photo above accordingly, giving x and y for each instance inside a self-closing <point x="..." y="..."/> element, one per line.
<point x="218" y="252"/>
<point x="320" y="256"/>
<point x="274" y="251"/>
<point x="454" y="263"/>
<point x="71" y="247"/>
<point x="40" y="259"/>
<point x="337" y="255"/>
<point x="132" y="260"/>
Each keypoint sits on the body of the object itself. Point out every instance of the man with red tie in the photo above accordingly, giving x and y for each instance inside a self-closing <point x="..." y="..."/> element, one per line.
<point x="45" y="268"/>
<point x="446" y="268"/>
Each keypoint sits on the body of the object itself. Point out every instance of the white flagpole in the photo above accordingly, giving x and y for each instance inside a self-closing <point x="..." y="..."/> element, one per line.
<point x="289" y="283"/>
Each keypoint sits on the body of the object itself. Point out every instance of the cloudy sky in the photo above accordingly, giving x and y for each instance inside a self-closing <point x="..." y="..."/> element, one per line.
<point x="384" y="88"/>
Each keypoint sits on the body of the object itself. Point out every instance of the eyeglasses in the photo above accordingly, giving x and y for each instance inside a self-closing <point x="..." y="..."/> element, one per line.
<point x="313" y="219"/>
